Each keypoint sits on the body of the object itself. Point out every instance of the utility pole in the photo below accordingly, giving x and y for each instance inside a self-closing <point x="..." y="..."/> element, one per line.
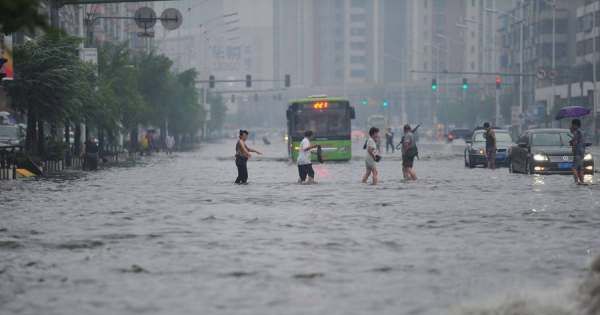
<point x="595" y="61"/>
<point x="553" y="53"/>
<point x="522" y="59"/>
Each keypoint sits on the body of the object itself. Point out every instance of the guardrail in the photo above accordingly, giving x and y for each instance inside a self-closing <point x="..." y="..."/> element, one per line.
<point x="8" y="161"/>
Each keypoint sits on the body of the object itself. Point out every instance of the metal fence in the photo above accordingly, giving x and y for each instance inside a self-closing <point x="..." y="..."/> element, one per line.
<point x="8" y="161"/>
<point x="71" y="160"/>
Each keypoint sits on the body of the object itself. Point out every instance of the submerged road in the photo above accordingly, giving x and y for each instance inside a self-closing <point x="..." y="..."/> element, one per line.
<point x="173" y="235"/>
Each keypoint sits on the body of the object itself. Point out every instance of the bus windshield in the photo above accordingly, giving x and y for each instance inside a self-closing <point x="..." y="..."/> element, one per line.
<point x="329" y="123"/>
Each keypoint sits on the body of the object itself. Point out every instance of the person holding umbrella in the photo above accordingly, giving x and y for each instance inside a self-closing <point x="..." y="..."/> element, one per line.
<point x="578" y="145"/>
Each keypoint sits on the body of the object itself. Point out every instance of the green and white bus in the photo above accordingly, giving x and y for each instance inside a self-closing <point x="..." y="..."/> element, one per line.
<point x="330" y="120"/>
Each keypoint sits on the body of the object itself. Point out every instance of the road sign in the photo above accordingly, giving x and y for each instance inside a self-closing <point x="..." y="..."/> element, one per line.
<point x="145" y="17"/>
<point x="171" y="19"/>
<point x="541" y="74"/>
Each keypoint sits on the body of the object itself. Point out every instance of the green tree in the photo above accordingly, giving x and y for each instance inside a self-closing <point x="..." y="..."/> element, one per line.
<point x="119" y="86"/>
<point x="186" y="115"/>
<point x="48" y="84"/>
<point x="17" y="15"/>
<point x="156" y="85"/>
<point x="218" y="110"/>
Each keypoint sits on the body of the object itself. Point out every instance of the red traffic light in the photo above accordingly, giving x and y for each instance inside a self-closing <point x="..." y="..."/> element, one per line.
<point x="498" y="82"/>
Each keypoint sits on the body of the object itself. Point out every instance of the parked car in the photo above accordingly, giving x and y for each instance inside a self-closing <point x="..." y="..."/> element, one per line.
<point x="464" y="134"/>
<point x="546" y="151"/>
<point x="475" y="150"/>
<point x="11" y="135"/>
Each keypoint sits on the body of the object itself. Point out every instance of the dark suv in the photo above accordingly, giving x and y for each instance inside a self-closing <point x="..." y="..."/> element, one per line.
<point x="546" y="151"/>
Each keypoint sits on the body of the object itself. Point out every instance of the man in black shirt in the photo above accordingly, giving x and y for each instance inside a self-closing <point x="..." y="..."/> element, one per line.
<point x="389" y="140"/>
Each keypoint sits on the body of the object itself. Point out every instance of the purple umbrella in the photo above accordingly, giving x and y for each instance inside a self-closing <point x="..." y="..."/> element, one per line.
<point x="572" y="112"/>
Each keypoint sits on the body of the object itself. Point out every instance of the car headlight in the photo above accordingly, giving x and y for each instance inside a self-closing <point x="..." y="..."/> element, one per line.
<point x="540" y="157"/>
<point x="588" y="157"/>
<point x="476" y="151"/>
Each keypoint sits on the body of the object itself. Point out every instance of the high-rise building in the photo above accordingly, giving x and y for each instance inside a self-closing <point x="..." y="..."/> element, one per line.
<point x="538" y="40"/>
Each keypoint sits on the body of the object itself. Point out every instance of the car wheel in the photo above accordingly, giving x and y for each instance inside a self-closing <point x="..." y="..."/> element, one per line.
<point x="466" y="162"/>
<point x="471" y="165"/>
<point x="511" y="168"/>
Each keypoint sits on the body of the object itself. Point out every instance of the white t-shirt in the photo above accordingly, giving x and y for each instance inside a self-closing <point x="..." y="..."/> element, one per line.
<point x="373" y="145"/>
<point x="303" y="154"/>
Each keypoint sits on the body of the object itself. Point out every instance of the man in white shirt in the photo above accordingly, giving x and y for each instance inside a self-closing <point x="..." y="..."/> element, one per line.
<point x="372" y="156"/>
<point x="304" y="161"/>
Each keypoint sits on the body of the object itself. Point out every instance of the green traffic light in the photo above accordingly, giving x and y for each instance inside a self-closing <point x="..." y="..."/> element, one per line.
<point x="465" y="87"/>
<point x="385" y="103"/>
<point x="434" y="87"/>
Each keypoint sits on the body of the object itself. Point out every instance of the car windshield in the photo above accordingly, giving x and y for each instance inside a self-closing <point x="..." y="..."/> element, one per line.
<point x="502" y="137"/>
<point x="554" y="139"/>
<point x="10" y="132"/>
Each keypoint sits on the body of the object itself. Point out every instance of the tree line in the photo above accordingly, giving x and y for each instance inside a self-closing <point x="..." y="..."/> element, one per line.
<point x="58" y="93"/>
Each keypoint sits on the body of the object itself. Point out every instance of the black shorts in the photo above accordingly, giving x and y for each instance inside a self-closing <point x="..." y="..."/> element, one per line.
<point x="304" y="170"/>
<point x="408" y="161"/>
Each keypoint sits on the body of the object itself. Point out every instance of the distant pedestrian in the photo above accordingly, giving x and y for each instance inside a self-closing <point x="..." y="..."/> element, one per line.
<point x="372" y="157"/>
<point x="305" y="168"/>
<point x="490" y="145"/>
<point x="242" y="154"/>
<point x="389" y="140"/>
<point x="170" y="144"/>
<point x="409" y="153"/>
<point x="90" y="155"/>
<point x="578" y="145"/>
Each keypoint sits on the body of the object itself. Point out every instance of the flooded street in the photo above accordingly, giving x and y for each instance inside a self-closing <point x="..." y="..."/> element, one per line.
<point x="173" y="235"/>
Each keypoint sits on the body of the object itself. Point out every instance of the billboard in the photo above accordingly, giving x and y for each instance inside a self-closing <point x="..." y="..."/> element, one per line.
<point x="6" y="59"/>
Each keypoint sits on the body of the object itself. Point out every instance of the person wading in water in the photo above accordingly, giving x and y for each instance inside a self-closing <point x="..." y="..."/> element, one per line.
<point x="242" y="154"/>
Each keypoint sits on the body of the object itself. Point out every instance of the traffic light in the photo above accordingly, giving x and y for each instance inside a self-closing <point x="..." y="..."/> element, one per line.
<point x="385" y="103"/>
<point x="365" y="102"/>
<point x="498" y="82"/>
<point x="211" y="81"/>
<point x="465" y="85"/>
<point x="248" y="81"/>
<point x="288" y="80"/>
<point x="434" y="85"/>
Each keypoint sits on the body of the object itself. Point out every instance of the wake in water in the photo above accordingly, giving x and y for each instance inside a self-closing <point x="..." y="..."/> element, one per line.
<point x="583" y="299"/>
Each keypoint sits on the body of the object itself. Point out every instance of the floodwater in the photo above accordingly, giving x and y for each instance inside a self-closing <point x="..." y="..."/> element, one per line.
<point x="173" y="235"/>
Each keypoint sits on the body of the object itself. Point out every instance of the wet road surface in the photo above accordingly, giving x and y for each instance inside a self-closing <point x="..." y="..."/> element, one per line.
<point x="172" y="235"/>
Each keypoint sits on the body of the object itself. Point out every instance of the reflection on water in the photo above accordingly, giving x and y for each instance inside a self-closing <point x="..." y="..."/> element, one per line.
<point x="175" y="236"/>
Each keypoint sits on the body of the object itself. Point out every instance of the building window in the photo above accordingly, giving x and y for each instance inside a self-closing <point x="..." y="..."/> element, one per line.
<point x="358" y="59"/>
<point x="358" y="73"/>
<point x="472" y="49"/>
<point x="358" y="17"/>
<point x="473" y="3"/>
<point x="359" y="3"/>
<point x="425" y="66"/>
<point x="358" y="31"/>
<point x="358" y="45"/>
<point x="472" y="34"/>
<point x="472" y="65"/>
<point x="425" y="3"/>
